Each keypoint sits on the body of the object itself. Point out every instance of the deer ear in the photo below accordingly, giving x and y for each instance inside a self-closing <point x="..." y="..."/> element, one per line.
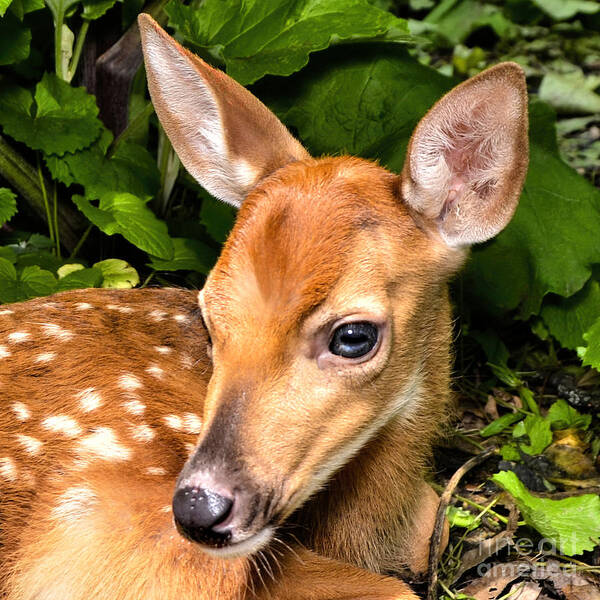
<point x="467" y="159"/>
<point x="225" y="137"/>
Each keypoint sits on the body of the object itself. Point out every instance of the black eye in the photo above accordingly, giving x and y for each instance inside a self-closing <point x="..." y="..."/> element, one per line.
<point x="353" y="340"/>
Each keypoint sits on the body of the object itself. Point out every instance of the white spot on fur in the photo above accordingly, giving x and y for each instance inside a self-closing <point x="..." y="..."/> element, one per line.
<point x="76" y="502"/>
<point x="129" y="382"/>
<point x="192" y="423"/>
<point x="157" y="315"/>
<point x="134" y="407"/>
<point x="190" y="448"/>
<point x="17" y="337"/>
<point x="103" y="444"/>
<point x="162" y="349"/>
<point x="6" y="311"/>
<point x="166" y="509"/>
<point x="4" y="352"/>
<point x="119" y="308"/>
<point x="83" y="306"/>
<point x="56" y="331"/>
<point x="45" y="357"/>
<point x="8" y="469"/>
<point x="62" y="424"/>
<point x="174" y="422"/>
<point x="30" y="444"/>
<point x="155" y="471"/>
<point x="89" y="399"/>
<point x="21" y="411"/>
<point x="181" y="318"/>
<point x="187" y="361"/>
<point x="142" y="433"/>
<point x="155" y="371"/>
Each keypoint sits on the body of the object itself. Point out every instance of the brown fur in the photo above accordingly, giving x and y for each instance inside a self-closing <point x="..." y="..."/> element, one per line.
<point x="103" y="401"/>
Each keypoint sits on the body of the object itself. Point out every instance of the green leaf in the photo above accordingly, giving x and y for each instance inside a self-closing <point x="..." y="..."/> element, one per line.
<point x="60" y="7"/>
<point x="500" y="424"/>
<point x="188" y="255"/>
<point x="591" y="353"/>
<point x="569" y="93"/>
<point x="457" y="20"/>
<point x="538" y="431"/>
<point x="258" y="37"/>
<point x="572" y="523"/>
<point x="459" y="517"/>
<point x="15" y="39"/>
<point x="568" y="319"/>
<point x="560" y="10"/>
<point x="117" y="274"/>
<point x="28" y="283"/>
<point x="20" y="8"/>
<point x="129" y="216"/>
<point x="562" y="416"/>
<point x="4" y="4"/>
<point x="510" y="452"/>
<point x="94" y="9"/>
<point x="217" y="217"/>
<point x="69" y="268"/>
<point x="79" y="279"/>
<point x="552" y="240"/>
<point x="362" y="100"/>
<point x="8" y="205"/>
<point x="130" y="169"/>
<point x="65" y="117"/>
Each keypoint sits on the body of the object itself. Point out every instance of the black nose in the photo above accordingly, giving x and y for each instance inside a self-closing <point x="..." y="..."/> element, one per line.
<point x="198" y="511"/>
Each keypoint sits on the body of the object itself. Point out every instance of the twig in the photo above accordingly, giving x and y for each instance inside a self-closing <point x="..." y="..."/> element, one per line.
<point x="436" y="538"/>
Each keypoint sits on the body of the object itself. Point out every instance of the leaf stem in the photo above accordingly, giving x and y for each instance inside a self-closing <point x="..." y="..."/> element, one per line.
<point x="77" y="51"/>
<point x="58" y="31"/>
<point x="81" y="241"/>
<point x="56" y="228"/>
<point x="46" y="203"/>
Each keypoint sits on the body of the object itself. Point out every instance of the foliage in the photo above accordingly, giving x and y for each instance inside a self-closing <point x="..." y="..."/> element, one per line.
<point x="573" y="523"/>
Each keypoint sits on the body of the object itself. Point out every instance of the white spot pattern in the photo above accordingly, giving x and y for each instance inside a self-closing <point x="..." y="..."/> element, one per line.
<point x="56" y="331"/>
<point x="192" y="423"/>
<point x="45" y="357"/>
<point x="21" y="411"/>
<point x="8" y="469"/>
<point x="156" y="471"/>
<point x="103" y="444"/>
<point x="129" y="382"/>
<point x="134" y="407"/>
<point x="17" y="337"/>
<point x="142" y="433"/>
<point x="163" y="349"/>
<point x="174" y="422"/>
<point x="89" y="399"/>
<point x="62" y="424"/>
<point x="155" y="371"/>
<point x="4" y="352"/>
<point x="83" y="306"/>
<point x="157" y="315"/>
<point x="74" y="503"/>
<point x="30" y="444"/>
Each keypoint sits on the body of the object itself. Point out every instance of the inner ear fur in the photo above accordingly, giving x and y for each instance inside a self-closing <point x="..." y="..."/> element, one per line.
<point x="225" y="137"/>
<point x="467" y="159"/>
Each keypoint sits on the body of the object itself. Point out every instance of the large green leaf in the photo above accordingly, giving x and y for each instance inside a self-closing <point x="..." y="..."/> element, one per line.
<point x="364" y="101"/>
<point x="14" y="40"/>
<point x="64" y="118"/>
<point x="128" y="215"/>
<point x="188" y="255"/>
<point x="258" y="37"/>
<point x="568" y="319"/>
<point x="552" y="241"/>
<point x="572" y="523"/>
<point x="8" y="205"/>
<point x="28" y="283"/>
<point x="130" y="169"/>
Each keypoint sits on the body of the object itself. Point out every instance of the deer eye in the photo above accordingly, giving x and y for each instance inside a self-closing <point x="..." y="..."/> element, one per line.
<point x="353" y="340"/>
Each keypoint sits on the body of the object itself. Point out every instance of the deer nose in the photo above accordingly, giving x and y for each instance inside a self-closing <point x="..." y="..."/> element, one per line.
<point x="198" y="511"/>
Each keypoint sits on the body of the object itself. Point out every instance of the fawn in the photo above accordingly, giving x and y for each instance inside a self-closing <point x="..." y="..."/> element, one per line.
<point x="267" y="436"/>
